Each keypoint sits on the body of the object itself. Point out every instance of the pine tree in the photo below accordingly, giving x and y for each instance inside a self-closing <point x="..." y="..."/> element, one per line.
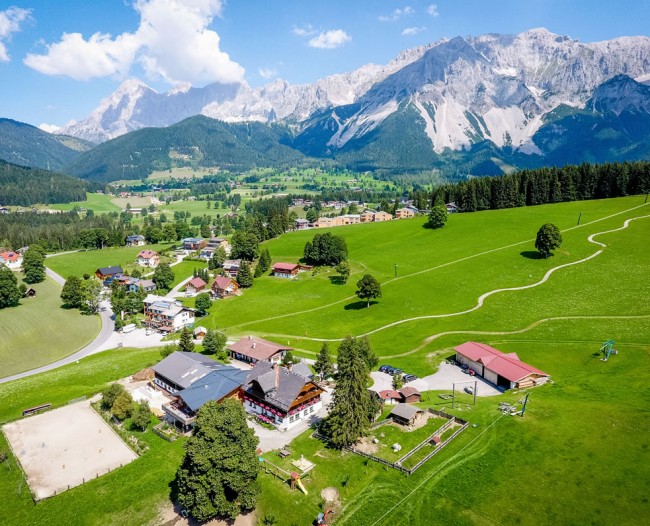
<point x="186" y="342"/>
<point x="323" y="365"/>
<point x="218" y="475"/>
<point x="244" y="275"/>
<point x="348" y="418"/>
<point x="265" y="260"/>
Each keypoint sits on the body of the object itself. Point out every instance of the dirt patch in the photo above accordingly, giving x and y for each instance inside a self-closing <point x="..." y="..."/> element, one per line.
<point x="365" y="445"/>
<point x="144" y="375"/>
<point x="330" y="494"/>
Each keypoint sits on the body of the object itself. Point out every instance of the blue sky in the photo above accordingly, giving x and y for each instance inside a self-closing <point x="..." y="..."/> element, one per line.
<point x="59" y="58"/>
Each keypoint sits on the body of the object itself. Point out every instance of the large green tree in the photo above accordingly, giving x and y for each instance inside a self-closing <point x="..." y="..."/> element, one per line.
<point x="323" y="365"/>
<point x="186" y="341"/>
<point x="163" y="276"/>
<point x="245" y="245"/>
<point x="9" y="293"/>
<point x="437" y="217"/>
<point x="348" y="419"/>
<point x="326" y="249"/>
<point x="368" y="288"/>
<point x="34" y="265"/>
<point x="202" y="303"/>
<point x="215" y="343"/>
<point x="90" y="295"/>
<point x="218" y="475"/>
<point x="548" y="238"/>
<point x="244" y="275"/>
<point x="71" y="294"/>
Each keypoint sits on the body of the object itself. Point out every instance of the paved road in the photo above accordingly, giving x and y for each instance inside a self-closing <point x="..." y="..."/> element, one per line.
<point x="108" y="326"/>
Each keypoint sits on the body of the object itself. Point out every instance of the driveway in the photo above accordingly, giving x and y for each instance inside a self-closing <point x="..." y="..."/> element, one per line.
<point x="442" y="380"/>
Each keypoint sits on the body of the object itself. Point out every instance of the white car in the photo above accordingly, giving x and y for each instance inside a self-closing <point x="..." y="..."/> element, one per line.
<point x="469" y="389"/>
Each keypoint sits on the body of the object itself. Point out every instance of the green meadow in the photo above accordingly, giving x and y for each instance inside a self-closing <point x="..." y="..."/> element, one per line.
<point x="98" y="203"/>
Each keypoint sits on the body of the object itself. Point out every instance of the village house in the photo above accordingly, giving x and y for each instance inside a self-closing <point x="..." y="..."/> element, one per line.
<point x="213" y="244"/>
<point x="231" y="267"/>
<point x="104" y="273"/>
<point x="285" y="270"/>
<point x="404" y="213"/>
<point x="148" y="258"/>
<point x="382" y="216"/>
<point x="193" y="243"/>
<point x="199" y="332"/>
<point x="4" y="210"/>
<point x="165" y="314"/>
<point x="193" y="379"/>
<point x="501" y="369"/>
<point x="137" y="284"/>
<point x="301" y="224"/>
<point x="404" y="395"/>
<point x="367" y="216"/>
<point x="194" y="286"/>
<point x="135" y="241"/>
<point x="253" y="350"/>
<point x="451" y="208"/>
<point x="280" y="397"/>
<point x="11" y="260"/>
<point x="223" y="287"/>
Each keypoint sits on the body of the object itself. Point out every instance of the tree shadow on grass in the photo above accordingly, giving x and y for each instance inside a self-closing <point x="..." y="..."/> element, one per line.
<point x="532" y="254"/>
<point x="359" y="305"/>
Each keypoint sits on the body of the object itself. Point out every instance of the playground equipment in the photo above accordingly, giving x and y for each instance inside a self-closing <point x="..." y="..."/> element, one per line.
<point x="292" y="477"/>
<point x="607" y="349"/>
<point x="295" y="481"/>
<point x="323" y="518"/>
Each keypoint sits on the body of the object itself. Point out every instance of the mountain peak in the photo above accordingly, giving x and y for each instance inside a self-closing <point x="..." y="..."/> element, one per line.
<point x="618" y="94"/>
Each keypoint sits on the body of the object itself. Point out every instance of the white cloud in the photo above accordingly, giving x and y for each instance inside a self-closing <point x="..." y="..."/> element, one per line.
<point x="304" y="31"/>
<point x="49" y="128"/>
<point x="397" y="14"/>
<point x="410" y="31"/>
<point x="330" y="39"/>
<point x="432" y="10"/>
<point x="172" y="43"/>
<point x="267" y="73"/>
<point x="10" y="20"/>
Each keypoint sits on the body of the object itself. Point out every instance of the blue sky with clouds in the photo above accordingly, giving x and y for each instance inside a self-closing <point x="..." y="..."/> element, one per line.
<point x="58" y="58"/>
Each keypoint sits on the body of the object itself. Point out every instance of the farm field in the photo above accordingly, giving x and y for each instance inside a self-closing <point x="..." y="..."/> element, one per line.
<point x="98" y="203"/>
<point x="78" y="263"/>
<point x="35" y="333"/>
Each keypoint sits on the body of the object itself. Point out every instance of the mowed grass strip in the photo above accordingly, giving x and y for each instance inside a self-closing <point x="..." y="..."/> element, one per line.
<point x="98" y="203"/>
<point x="87" y="262"/>
<point x="39" y="331"/>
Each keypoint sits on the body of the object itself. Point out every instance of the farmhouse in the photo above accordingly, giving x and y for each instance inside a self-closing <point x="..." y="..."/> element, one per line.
<point x="279" y="396"/>
<point x="195" y="286"/>
<point x="503" y="370"/>
<point x="11" y="260"/>
<point x="148" y="258"/>
<point x="104" y="273"/>
<point x="390" y="396"/>
<point x="285" y="270"/>
<point x="165" y="314"/>
<point x="405" y="395"/>
<point x="405" y="414"/>
<point x="223" y="287"/>
<point x="231" y="267"/>
<point x="253" y="350"/>
<point x="193" y="243"/>
<point x="135" y="241"/>
<point x="194" y="379"/>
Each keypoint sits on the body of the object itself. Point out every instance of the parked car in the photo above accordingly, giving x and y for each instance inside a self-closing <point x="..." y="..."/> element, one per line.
<point x="409" y="377"/>
<point x="386" y="369"/>
<point x="396" y="371"/>
<point x="469" y="389"/>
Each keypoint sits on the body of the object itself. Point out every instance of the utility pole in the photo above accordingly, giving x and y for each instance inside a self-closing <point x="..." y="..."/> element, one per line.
<point x="523" y="409"/>
<point x="579" y="216"/>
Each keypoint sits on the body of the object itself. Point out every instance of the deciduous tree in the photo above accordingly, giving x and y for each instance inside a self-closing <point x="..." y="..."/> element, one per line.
<point x="141" y="415"/>
<point x="163" y="276"/>
<point x="215" y="343"/>
<point x="368" y="288"/>
<point x="548" y="238"/>
<point x="343" y="270"/>
<point x="202" y="303"/>
<point x="122" y="406"/>
<point x="437" y="217"/>
<point x="90" y="295"/>
<point x="71" y="293"/>
<point x="34" y="266"/>
<point x="218" y="475"/>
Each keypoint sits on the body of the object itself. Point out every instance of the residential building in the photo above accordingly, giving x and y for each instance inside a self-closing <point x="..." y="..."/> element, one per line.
<point x="136" y="285"/>
<point x="501" y="369"/>
<point x="301" y="224"/>
<point x="253" y="350"/>
<point x="208" y="251"/>
<point x="223" y="287"/>
<point x="279" y="396"/>
<point x="148" y="258"/>
<point x="11" y="260"/>
<point x="410" y="395"/>
<point x="193" y="379"/>
<point x="4" y="210"/>
<point x="165" y="314"/>
<point x="451" y="208"/>
<point x="404" y="213"/>
<point x="104" y="273"/>
<point x="194" y="286"/>
<point x="231" y="267"/>
<point x="390" y="396"/>
<point x="367" y="216"/>
<point x="135" y="241"/>
<point x="382" y="216"/>
<point x="193" y="243"/>
<point x="285" y="270"/>
<point x="199" y="332"/>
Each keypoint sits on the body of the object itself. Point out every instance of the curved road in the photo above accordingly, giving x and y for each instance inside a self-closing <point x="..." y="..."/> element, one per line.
<point x="108" y="326"/>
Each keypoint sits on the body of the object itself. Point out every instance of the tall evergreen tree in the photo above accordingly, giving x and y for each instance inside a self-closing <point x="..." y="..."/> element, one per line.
<point x="348" y="418"/>
<point x="186" y="341"/>
<point x="244" y="275"/>
<point x="218" y="475"/>
<point x="323" y="365"/>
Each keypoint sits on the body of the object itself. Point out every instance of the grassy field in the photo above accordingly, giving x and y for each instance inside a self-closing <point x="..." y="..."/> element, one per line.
<point x="580" y="454"/>
<point x="98" y="203"/>
<point x="37" y="331"/>
<point x="78" y="263"/>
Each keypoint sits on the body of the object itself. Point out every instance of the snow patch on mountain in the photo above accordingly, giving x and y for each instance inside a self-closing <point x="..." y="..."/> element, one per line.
<point x="363" y="122"/>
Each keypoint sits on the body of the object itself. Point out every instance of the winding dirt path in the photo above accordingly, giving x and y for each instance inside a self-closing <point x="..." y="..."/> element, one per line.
<point x="486" y="295"/>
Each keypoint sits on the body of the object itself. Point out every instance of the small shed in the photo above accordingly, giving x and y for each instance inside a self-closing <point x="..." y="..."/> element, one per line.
<point x="195" y="286"/>
<point x="410" y="395"/>
<point x="404" y="414"/>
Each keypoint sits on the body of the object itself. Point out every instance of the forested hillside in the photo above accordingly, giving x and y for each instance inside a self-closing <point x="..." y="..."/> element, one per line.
<point x="21" y="186"/>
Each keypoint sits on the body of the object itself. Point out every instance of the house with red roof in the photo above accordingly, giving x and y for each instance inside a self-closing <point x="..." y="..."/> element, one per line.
<point x="11" y="260"/>
<point x="285" y="270"/>
<point x="253" y="350"/>
<point x="501" y="369"/>
<point x="195" y="285"/>
<point x="148" y="258"/>
<point x="223" y="287"/>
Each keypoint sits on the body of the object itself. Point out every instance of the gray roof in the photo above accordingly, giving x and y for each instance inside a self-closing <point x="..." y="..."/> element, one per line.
<point x="405" y="411"/>
<point x="303" y="370"/>
<point x="110" y="271"/>
<point x="185" y="368"/>
<point x="213" y="386"/>
<point x="289" y="386"/>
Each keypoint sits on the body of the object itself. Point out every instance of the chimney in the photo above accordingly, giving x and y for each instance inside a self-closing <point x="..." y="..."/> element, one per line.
<point x="277" y="375"/>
